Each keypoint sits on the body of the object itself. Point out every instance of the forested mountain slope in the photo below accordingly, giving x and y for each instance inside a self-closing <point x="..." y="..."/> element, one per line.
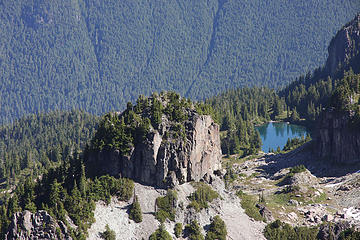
<point x="310" y="93"/>
<point x="33" y="144"/>
<point x="97" y="55"/>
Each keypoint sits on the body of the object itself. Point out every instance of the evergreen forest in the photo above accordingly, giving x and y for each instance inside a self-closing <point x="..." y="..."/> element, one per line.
<point x="244" y="63"/>
<point x="32" y="145"/>
<point x="96" y="56"/>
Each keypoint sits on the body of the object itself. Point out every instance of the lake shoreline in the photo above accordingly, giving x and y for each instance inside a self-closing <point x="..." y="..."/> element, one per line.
<point x="275" y="134"/>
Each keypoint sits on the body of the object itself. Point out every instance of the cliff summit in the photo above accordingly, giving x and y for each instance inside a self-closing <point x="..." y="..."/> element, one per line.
<point x="344" y="47"/>
<point x="162" y="141"/>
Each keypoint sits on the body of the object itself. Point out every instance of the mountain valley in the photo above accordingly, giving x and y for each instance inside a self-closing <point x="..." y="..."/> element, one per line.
<point x="165" y="166"/>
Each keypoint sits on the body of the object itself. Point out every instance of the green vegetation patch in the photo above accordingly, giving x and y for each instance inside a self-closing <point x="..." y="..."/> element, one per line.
<point x="193" y="231"/>
<point x="202" y="196"/>
<point x="217" y="230"/>
<point x="166" y="206"/>
<point x="106" y="186"/>
<point x="160" y="234"/>
<point x="230" y="176"/>
<point x="248" y="203"/>
<point x="108" y="234"/>
<point x="279" y="230"/>
<point x="298" y="169"/>
<point x="135" y="211"/>
<point x="349" y="234"/>
<point x="178" y="229"/>
<point x="294" y="143"/>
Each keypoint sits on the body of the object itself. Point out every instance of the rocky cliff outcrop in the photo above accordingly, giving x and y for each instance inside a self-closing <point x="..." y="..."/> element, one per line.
<point x="344" y="47"/>
<point x="337" y="138"/>
<point x="171" y="153"/>
<point x="39" y="225"/>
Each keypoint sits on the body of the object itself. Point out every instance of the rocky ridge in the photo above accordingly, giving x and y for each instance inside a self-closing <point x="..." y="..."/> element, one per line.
<point x="175" y="151"/>
<point x="39" y="225"/>
<point x="344" y="47"/>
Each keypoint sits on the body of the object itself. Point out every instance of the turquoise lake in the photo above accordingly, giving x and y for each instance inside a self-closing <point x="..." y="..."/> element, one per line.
<point x="276" y="134"/>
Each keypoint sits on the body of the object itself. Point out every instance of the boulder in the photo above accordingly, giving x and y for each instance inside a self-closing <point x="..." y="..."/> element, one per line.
<point x="265" y="213"/>
<point x="293" y="202"/>
<point x="293" y="216"/>
<point x="328" y="218"/>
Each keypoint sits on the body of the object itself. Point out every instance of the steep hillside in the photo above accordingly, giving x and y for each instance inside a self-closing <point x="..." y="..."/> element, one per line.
<point x="164" y="140"/>
<point x="35" y="143"/>
<point x="310" y="93"/>
<point x="344" y="49"/>
<point x="96" y="56"/>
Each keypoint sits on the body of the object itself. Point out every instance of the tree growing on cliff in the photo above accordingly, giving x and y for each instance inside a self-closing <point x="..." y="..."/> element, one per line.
<point x="109" y="234"/>
<point x="135" y="211"/>
<point x="193" y="231"/>
<point x="160" y="234"/>
<point x="217" y="230"/>
<point x="178" y="229"/>
<point x="166" y="206"/>
<point x="341" y="97"/>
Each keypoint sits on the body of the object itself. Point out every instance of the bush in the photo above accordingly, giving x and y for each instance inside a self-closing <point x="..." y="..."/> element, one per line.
<point x="298" y="169"/>
<point x="279" y="230"/>
<point x="135" y="211"/>
<point x="124" y="189"/>
<point x="178" y="229"/>
<point x="349" y="234"/>
<point x="230" y="175"/>
<point x="109" y="234"/>
<point x="160" y="234"/>
<point x="217" y="230"/>
<point x="195" y="205"/>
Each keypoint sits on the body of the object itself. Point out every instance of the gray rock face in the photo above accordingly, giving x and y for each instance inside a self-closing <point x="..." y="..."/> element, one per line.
<point x="265" y="213"/>
<point x="344" y="46"/>
<point x="337" y="139"/>
<point x="164" y="161"/>
<point x="39" y="225"/>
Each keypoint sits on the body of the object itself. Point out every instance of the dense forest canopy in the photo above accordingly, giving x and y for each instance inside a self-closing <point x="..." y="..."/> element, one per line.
<point x="33" y="144"/>
<point x="97" y="56"/>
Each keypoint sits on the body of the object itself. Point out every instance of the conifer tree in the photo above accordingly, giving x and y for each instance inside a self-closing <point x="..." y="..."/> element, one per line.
<point x="135" y="210"/>
<point x="217" y="230"/>
<point x="194" y="231"/>
<point x="109" y="234"/>
<point x="82" y="181"/>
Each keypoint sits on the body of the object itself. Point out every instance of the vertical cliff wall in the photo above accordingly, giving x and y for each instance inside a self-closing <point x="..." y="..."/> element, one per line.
<point x="344" y="47"/>
<point x="338" y="138"/>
